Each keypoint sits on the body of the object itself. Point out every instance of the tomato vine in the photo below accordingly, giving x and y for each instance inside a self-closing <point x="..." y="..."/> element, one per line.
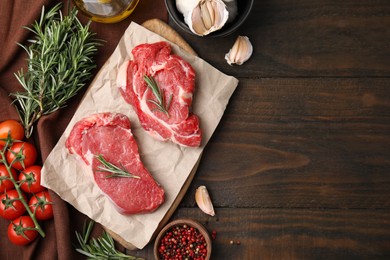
<point x="18" y="159"/>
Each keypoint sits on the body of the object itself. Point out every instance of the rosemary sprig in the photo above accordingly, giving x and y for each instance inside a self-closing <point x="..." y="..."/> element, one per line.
<point x="60" y="61"/>
<point x="161" y="105"/>
<point x="99" y="248"/>
<point x="113" y="169"/>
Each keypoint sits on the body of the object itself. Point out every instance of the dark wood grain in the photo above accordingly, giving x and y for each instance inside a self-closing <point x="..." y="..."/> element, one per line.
<point x="294" y="233"/>
<point x="299" y="166"/>
<point x="301" y="143"/>
<point x="308" y="39"/>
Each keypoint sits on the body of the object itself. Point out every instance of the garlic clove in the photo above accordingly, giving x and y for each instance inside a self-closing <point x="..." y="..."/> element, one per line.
<point x="211" y="11"/>
<point x="240" y="52"/>
<point x="221" y="14"/>
<point x="197" y="23"/>
<point x="204" y="17"/>
<point x="203" y="200"/>
<point x="207" y="14"/>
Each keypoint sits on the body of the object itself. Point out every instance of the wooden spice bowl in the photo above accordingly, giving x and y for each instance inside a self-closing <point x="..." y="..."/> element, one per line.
<point x="192" y="228"/>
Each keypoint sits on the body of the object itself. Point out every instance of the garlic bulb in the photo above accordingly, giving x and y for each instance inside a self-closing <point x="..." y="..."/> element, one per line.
<point x="203" y="16"/>
<point x="240" y="52"/>
<point x="203" y="200"/>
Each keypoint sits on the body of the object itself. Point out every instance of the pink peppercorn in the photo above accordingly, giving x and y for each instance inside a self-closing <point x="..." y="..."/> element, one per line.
<point x="183" y="242"/>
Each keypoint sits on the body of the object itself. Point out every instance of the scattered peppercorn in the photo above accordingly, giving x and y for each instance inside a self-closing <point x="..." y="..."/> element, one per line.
<point x="183" y="242"/>
<point x="237" y="242"/>
<point x="214" y="234"/>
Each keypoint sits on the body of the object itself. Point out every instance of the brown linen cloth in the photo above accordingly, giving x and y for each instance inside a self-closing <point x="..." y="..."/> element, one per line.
<point x="60" y="232"/>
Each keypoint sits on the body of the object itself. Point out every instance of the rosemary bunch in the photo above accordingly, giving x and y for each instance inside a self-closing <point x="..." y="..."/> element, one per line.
<point x="99" y="248"/>
<point x="60" y="61"/>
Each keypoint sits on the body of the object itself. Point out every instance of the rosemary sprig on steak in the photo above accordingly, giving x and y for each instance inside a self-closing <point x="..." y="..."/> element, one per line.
<point x="113" y="169"/>
<point x="102" y="247"/>
<point x="161" y="105"/>
<point x="59" y="62"/>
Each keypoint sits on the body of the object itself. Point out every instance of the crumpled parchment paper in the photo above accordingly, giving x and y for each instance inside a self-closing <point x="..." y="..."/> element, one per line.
<point x="170" y="164"/>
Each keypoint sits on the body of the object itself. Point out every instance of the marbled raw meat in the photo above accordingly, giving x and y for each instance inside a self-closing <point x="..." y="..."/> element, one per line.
<point x="109" y="134"/>
<point x="176" y="78"/>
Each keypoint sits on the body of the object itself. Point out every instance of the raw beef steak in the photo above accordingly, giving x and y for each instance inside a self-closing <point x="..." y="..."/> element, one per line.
<point x="175" y="80"/>
<point x="109" y="135"/>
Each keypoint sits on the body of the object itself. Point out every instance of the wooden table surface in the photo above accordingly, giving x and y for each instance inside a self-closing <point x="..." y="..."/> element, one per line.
<point x="299" y="167"/>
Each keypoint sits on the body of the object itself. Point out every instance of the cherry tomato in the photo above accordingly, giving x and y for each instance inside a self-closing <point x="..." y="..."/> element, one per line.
<point x="13" y="127"/>
<point x="10" y="205"/>
<point x="42" y="205"/>
<point x="5" y="183"/>
<point x="19" y="231"/>
<point x="30" y="179"/>
<point x="24" y="153"/>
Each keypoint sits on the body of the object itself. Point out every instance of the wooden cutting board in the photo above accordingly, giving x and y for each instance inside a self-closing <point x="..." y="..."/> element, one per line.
<point x="161" y="28"/>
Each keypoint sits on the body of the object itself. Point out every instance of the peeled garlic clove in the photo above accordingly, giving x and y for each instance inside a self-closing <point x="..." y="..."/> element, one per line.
<point x="240" y="52"/>
<point x="203" y="200"/>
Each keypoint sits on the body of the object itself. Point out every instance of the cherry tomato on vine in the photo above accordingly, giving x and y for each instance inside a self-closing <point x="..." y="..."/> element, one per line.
<point x="42" y="205"/>
<point x="13" y="127"/>
<point x="30" y="179"/>
<point x="20" y="232"/>
<point x="10" y="205"/>
<point x="5" y="182"/>
<point x="23" y="153"/>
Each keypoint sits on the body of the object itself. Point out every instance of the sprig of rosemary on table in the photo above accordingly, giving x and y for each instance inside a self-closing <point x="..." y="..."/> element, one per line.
<point x="99" y="248"/>
<point x="161" y="105"/>
<point x="113" y="169"/>
<point x="60" y="61"/>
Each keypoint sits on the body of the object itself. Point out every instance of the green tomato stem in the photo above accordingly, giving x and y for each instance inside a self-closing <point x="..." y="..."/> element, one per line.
<point x="20" y="193"/>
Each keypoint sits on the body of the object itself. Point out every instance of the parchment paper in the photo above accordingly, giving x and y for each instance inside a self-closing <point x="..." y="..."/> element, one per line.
<point x="170" y="164"/>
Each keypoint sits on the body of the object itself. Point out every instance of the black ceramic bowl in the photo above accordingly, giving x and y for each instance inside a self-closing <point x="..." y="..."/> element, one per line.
<point x="244" y="8"/>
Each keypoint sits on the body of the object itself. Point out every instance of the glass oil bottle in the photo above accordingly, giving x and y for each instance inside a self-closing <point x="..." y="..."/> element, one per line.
<point x="106" y="11"/>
